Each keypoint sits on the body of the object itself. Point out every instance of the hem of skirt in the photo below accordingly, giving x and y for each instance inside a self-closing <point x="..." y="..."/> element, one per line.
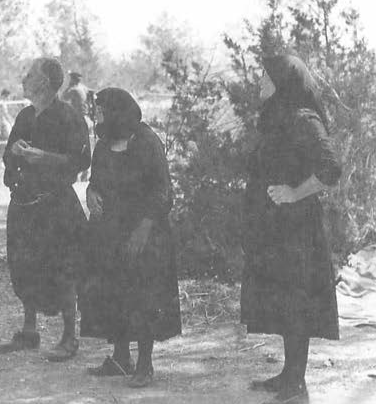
<point x="46" y="311"/>
<point x="110" y="337"/>
<point x="166" y="337"/>
<point x="252" y="329"/>
<point x="93" y="335"/>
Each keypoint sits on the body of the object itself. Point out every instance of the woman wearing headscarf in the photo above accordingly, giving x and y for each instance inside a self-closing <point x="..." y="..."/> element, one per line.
<point x="131" y="290"/>
<point x="288" y="285"/>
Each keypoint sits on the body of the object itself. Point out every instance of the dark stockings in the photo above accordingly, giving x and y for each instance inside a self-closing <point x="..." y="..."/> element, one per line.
<point x="69" y="318"/>
<point x="144" y="368"/>
<point x="122" y="353"/>
<point x="296" y="357"/>
<point x="144" y="362"/>
<point x="291" y="381"/>
<point x="30" y="322"/>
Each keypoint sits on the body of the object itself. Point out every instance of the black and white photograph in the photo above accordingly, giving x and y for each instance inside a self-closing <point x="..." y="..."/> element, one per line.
<point x="187" y="202"/>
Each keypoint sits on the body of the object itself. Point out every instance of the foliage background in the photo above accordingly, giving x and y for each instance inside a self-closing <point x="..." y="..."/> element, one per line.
<point x="205" y="109"/>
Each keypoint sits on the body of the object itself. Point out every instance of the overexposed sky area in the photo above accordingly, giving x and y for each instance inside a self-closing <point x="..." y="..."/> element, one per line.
<point x="208" y="19"/>
<point x="123" y="21"/>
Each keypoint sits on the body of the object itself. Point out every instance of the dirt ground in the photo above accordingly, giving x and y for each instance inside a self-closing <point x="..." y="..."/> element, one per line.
<point x="208" y="364"/>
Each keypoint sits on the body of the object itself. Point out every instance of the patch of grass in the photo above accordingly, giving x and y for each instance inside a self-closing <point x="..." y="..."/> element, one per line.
<point x="204" y="302"/>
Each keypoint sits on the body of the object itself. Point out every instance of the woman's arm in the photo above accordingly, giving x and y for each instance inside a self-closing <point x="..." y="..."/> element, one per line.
<point x="286" y="194"/>
<point x="158" y="201"/>
<point x="34" y="155"/>
<point x="315" y="147"/>
<point x="77" y="156"/>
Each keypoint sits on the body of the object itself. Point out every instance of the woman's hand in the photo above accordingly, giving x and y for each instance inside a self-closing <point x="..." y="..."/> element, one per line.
<point x="18" y="148"/>
<point x="282" y="194"/>
<point x="285" y="194"/>
<point x="138" y="239"/>
<point x="94" y="202"/>
<point x="33" y="155"/>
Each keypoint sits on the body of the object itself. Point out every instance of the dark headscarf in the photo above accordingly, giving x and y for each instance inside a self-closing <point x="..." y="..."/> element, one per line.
<point x="120" y="104"/>
<point x="295" y="89"/>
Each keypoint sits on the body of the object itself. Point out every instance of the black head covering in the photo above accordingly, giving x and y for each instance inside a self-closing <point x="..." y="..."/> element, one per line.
<point x="119" y="103"/>
<point x="295" y="89"/>
<point x="75" y="76"/>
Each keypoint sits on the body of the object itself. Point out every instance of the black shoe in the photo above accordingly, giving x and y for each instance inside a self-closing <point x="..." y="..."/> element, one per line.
<point x="272" y="385"/>
<point x="110" y="367"/>
<point x="63" y="351"/>
<point x="291" y="395"/>
<point x="21" y="340"/>
<point x="142" y="378"/>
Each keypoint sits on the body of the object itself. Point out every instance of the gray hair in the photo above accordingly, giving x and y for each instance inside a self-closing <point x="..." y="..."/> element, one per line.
<point x="52" y="69"/>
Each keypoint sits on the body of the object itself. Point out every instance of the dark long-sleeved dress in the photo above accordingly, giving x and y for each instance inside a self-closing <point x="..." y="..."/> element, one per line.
<point x="119" y="298"/>
<point x="288" y="283"/>
<point x="46" y="222"/>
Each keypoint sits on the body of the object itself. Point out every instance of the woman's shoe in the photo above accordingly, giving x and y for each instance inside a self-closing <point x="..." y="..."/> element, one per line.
<point x="63" y="351"/>
<point x="142" y="378"/>
<point x="272" y="385"/>
<point x="21" y="340"/>
<point x="291" y="395"/>
<point x="110" y="367"/>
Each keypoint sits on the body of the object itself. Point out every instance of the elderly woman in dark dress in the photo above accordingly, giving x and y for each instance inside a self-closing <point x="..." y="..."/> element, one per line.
<point x="131" y="291"/>
<point x="47" y="148"/>
<point x="288" y="285"/>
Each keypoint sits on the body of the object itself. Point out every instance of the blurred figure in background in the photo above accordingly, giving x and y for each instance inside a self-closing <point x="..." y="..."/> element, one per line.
<point x="77" y="95"/>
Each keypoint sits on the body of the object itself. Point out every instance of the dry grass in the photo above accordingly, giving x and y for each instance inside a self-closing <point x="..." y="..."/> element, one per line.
<point x="207" y="302"/>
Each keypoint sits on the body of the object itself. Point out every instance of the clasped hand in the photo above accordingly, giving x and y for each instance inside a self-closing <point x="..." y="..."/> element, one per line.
<point x="94" y="202"/>
<point x="140" y="235"/>
<point x="31" y="154"/>
<point x="138" y="239"/>
<point x="282" y="194"/>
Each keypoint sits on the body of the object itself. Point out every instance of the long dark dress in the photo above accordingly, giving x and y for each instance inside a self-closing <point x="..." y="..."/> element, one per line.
<point x="122" y="299"/>
<point x="46" y="222"/>
<point x="288" y="282"/>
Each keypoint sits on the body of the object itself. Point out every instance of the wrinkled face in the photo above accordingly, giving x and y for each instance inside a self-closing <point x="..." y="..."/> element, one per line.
<point x="267" y="87"/>
<point x="35" y="82"/>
